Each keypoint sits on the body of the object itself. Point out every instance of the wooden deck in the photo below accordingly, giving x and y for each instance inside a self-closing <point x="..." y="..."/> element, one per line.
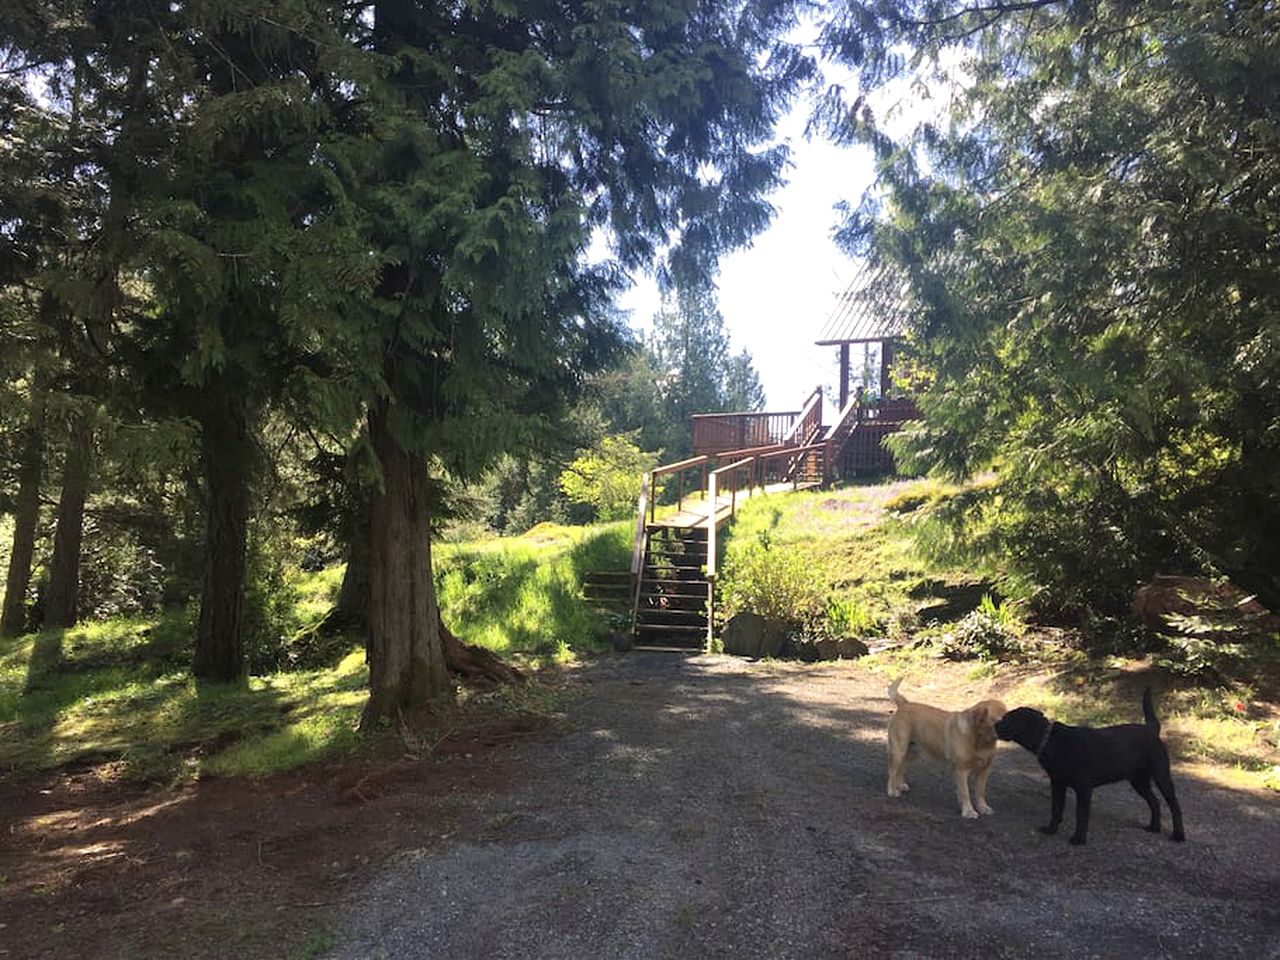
<point x="695" y="514"/>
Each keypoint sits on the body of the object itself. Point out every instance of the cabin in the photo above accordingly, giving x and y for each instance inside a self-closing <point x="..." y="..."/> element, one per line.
<point x="866" y="327"/>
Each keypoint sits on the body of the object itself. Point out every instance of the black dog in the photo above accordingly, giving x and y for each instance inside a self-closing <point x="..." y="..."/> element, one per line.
<point x="1083" y="758"/>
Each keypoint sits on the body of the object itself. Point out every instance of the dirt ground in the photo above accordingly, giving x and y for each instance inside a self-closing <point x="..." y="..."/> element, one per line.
<point x="681" y="807"/>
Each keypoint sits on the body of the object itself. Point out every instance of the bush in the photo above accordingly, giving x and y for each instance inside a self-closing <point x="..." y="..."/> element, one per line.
<point x="776" y="583"/>
<point x="846" y="617"/>
<point x="986" y="633"/>
<point x="608" y="477"/>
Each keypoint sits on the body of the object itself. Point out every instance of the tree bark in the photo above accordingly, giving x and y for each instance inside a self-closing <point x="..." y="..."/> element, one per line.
<point x="476" y="663"/>
<point x="13" y="620"/>
<point x="227" y="460"/>
<point x="62" y="594"/>
<point x="406" y="652"/>
<point x="351" y="612"/>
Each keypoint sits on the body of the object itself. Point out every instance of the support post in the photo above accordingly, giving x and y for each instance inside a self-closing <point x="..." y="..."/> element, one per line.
<point x="711" y="558"/>
<point x="844" y="375"/>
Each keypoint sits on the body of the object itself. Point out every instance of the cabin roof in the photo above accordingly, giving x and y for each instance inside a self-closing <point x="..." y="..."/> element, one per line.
<point x="874" y="306"/>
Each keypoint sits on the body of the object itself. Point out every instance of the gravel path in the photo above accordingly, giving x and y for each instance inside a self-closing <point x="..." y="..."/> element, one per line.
<point x="714" y="807"/>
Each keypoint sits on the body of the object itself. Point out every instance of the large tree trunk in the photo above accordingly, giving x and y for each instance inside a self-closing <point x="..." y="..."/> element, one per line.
<point x="13" y="620"/>
<point x="227" y="461"/>
<point x="63" y="591"/>
<point x="351" y="612"/>
<point x="406" y="653"/>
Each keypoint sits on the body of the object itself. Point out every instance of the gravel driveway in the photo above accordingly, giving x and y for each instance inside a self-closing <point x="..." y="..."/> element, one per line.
<point x="715" y="807"/>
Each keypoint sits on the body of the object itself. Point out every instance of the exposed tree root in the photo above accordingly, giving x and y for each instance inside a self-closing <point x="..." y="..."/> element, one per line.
<point x="475" y="663"/>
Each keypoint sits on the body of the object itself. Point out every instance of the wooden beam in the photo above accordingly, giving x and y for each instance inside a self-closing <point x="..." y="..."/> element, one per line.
<point x="844" y="375"/>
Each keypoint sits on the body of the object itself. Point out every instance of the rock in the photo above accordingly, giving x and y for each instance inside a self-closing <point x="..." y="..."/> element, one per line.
<point x="851" y="648"/>
<point x="1178" y="596"/>
<point x="828" y="648"/>
<point x="751" y="635"/>
<point x="621" y="640"/>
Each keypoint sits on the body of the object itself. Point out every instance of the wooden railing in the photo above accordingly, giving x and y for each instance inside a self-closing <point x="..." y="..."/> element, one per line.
<point x="715" y="433"/>
<point x="744" y="470"/>
<point x="807" y="423"/>
<point x="846" y="421"/>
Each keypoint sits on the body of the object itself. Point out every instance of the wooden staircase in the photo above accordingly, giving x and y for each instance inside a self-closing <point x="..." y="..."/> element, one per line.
<point x="673" y="595"/>
<point x="670" y="588"/>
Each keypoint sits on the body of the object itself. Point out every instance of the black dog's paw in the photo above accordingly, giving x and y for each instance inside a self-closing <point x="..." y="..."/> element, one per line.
<point x="1178" y="837"/>
<point x="1077" y="841"/>
<point x="1152" y="828"/>
<point x="1048" y="829"/>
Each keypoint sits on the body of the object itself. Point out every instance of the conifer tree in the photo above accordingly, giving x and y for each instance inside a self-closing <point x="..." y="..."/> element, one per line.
<point x="503" y="137"/>
<point x="1089" y="240"/>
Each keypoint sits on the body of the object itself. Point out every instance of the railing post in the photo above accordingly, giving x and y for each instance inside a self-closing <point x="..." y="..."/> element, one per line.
<point x="711" y="558"/>
<point x="638" y="548"/>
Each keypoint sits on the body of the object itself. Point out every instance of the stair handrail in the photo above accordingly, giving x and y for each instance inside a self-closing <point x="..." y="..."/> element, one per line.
<point x="638" y="547"/>
<point x="808" y="422"/>
<point x="846" y="422"/>
<point x="678" y="468"/>
<point x="730" y="470"/>
<point x="795" y="457"/>
<point x="711" y="558"/>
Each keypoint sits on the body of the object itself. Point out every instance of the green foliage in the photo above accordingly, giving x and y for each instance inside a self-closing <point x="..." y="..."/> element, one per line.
<point x="989" y="632"/>
<point x="840" y="558"/>
<point x="1094" y="308"/>
<point x="925" y="493"/>
<point x="774" y="582"/>
<point x="256" y="222"/>
<point x="120" y="691"/>
<point x="524" y="595"/>
<point x="608" y="477"/>
<point x="847" y="617"/>
<point x="693" y="371"/>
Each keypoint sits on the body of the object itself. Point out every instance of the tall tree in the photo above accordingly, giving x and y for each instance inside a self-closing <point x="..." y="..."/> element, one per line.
<point x="505" y="137"/>
<point x="693" y="369"/>
<point x="61" y="597"/>
<point x="13" y="619"/>
<point x="1091" y="242"/>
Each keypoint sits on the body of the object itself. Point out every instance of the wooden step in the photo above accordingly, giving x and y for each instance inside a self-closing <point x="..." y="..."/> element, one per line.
<point x="673" y="590"/>
<point x="691" y="638"/>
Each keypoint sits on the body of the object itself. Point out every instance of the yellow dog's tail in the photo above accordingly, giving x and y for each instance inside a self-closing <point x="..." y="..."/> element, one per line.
<point x="894" y="695"/>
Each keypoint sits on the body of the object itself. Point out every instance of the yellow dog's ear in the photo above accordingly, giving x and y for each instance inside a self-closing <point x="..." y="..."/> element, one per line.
<point x="980" y="714"/>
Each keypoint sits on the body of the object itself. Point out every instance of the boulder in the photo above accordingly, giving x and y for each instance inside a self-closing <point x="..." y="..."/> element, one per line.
<point x="851" y="648"/>
<point x="827" y="648"/>
<point x="1217" y="600"/>
<point x="751" y="635"/>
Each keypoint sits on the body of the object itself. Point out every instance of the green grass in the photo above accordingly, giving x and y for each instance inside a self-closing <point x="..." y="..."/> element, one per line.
<point x="120" y="692"/>
<point x="109" y="692"/>
<point x="523" y="594"/>
<point x="856" y="554"/>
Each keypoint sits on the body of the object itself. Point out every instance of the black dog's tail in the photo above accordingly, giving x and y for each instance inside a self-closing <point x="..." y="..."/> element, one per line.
<point x="1149" y="711"/>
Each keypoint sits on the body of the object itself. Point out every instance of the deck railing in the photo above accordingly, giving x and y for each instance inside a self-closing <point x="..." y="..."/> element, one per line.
<point x="807" y="423"/>
<point x="714" y="433"/>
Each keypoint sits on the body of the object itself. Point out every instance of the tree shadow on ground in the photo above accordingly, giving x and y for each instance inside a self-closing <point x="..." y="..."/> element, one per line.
<point x="718" y="806"/>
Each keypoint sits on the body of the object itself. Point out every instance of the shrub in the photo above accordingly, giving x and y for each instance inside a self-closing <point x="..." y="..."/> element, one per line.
<point x="773" y="582"/>
<point x="608" y="477"/>
<point x="847" y="617"/>
<point x="989" y="631"/>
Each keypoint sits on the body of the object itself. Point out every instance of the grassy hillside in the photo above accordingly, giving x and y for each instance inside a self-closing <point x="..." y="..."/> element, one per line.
<point x="120" y="691"/>
<point x="841" y="563"/>
<point x="868" y="561"/>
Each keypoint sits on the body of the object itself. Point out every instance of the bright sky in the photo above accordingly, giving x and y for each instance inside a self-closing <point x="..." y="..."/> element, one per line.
<point x="776" y="295"/>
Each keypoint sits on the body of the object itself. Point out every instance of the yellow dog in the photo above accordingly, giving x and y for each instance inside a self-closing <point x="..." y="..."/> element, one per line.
<point x="965" y="739"/>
